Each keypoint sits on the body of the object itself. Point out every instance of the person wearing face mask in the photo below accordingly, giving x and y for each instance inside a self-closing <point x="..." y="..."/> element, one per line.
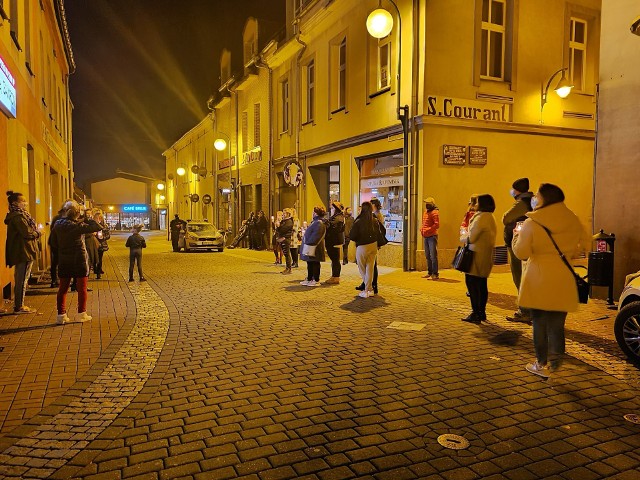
<point x="517" y="213"/>
<point x="21" y="247"/>
<point x="284" y="232"/>
<point x="548" y="288"/>
<point x="429" y="231"/>
<point x="314" y="237"/>
<point x="335" y="240"/>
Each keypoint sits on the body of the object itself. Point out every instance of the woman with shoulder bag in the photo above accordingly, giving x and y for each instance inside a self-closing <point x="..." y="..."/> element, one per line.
<point x="103" y="236"/>
<point x="548" y="288"/>
<point x="312" y="250"/>
<point x="364" y="233"/>
<point x="482" y="240"/>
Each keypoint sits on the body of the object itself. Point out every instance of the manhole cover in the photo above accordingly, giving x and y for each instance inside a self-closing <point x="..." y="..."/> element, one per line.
<point x="633" y="418"/>
<point x="455" y="442"/>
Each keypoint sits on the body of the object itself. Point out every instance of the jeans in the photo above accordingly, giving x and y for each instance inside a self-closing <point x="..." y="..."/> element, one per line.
<point x="478" y="294"/>
<point x="81" y="286"/>
<point x="345" y="251"/>
<point x="294" y="256"/>
<point x="313" y="271"/>
<point x="431" y="253"/>
<point x="516" y="268"/>
<point x="21" y="274"/>
<point x="548" y="336"/>
<point x="366" y="257"/>
<point x="334" y="255"/>
<point x="98" y="270"/>
<point x="286" y="251"/>
<point x="135" y="256"/>
<point x="175" y="236"/>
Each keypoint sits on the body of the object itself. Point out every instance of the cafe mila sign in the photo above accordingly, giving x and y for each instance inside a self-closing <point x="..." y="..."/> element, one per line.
<point x="447" y="107"/>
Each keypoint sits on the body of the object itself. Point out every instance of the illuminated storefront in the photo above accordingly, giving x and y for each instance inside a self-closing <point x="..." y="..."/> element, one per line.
<point x="124" y="217"/>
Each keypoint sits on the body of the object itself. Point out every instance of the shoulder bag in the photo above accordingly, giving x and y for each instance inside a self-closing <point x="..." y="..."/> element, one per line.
<point x="382" y="234"/>
<point x="581" y="283"/>
<point x="463" y="259"/>
<point x="310" y="250"/>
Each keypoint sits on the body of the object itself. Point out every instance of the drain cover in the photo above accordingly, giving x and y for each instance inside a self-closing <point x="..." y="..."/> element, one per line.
<point x="455" y="442"/>
<point x="633" y="418"/>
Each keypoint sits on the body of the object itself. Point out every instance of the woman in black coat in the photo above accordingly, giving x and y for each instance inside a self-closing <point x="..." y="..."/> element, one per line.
<point x="335" y="240"/>
<point x="284" y="232"/>
<point x="68" y="239"/>
<point x="314" y="236"/>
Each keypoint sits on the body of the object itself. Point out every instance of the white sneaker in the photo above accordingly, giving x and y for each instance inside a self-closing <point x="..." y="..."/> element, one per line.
<point x="304" y="282"/>
<point x="538" y="369"/>
<point x="363" y="294"/>
<point x="83" y="317"/>
<point x="311" y="283"/>
<point x="315" y="284"/>
<point x="62" y="319"/>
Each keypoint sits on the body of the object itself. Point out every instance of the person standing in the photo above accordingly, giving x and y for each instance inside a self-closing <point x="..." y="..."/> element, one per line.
<point x="175" y="226"/>
<point x="135" y="244"/>
<point x="21" y="247"/>
<point x="54" y="253"/>
<point x="335" y="240"/>
<point x="67" y="237"/>
<point x="365" y="233"/>
<point x="348" y="223"/>
<point x="314" y="236"/>
<point x="283" y="237"/>
<point x="517" y="213"/>
<point x="102" y="236"/>
<point x="548" y="289"/>
<point x="296" y="238"/>
<point x="277" y="249"/>
<point x="376" y="206"/>
<point x="482" y="239"/>
<point x="429" y="232"/>
<point x="251" y="229"/>
<point x="261" y="228"/>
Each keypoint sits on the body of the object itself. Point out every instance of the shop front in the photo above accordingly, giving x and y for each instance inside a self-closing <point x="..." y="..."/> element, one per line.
<point x="124" y="217"/>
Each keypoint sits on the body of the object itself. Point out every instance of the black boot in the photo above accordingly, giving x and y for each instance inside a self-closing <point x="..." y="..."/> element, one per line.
<point x="472" y="318"/>
<point x="360" y="287"/>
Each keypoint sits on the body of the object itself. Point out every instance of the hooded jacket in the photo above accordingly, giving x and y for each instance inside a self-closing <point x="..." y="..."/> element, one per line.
<point x="67" y="237"/>
<point x="517" y="213"/>
<point x="547" y="283"/>
<point x="430" y="222"/>
<point x="22" y="240"/>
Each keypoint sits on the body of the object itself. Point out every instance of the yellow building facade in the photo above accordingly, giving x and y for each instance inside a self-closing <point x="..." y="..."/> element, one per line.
<point x="35" y="120"/>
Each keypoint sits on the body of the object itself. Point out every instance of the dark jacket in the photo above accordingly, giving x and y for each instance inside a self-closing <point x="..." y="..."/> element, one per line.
<point x="136" y="241"/>
<point x="176" y="225"/>
<point x="335" y="230"/>
<point x="285" y="229"/>
<point x="22" y="240"/>
<point x="348" y="223"/>
<point x="314" y="235"/>
<point x="517" y="213"/>
<point x="103" y="246"/>
<point x="262" y="224"/>
<point x="363" y="235"/>
<point x="67" y="237"/>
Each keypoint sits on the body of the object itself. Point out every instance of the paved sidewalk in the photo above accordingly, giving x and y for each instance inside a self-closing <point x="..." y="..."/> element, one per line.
<point x="219" y="367"/>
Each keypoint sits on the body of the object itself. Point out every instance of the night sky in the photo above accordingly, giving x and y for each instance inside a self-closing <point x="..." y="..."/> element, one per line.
<point x="145" y="69"/>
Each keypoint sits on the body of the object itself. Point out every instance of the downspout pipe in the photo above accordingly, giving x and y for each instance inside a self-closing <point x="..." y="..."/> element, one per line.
<point x="298" y="110"/>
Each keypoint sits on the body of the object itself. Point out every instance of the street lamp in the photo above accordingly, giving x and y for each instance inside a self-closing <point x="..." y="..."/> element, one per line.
<point x="379" y="25"/>
<point x="563" y="88"/>
<point x="181" y="171"/>
<point x="160" y="186"/>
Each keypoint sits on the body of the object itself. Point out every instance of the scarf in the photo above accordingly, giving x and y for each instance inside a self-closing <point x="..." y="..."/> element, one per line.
<point x="30" y="221"/>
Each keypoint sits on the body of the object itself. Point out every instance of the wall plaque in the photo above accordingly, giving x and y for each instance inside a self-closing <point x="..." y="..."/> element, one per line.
<point x="477" y="155"/>
<point x="454" y="154"/>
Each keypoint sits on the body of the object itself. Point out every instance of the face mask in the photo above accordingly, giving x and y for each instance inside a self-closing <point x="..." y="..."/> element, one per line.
<point x="513" y="193"/>
<point x="534" y="202"/>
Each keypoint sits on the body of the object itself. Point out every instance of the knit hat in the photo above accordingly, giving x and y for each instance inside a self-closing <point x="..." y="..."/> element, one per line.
<point x="521" y="185"/>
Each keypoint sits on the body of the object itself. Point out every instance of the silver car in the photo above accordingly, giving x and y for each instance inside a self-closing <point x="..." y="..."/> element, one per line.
<point x="627" y="324"/>
<point x="201" y="236"/>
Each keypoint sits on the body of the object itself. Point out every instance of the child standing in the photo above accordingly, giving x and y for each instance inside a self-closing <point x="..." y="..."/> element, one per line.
<point x="136" y="243"/>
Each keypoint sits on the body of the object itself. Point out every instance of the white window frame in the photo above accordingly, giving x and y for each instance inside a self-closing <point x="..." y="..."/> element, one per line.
<point x="490" y="27"/>
<point x="256" y="125"/>
<point x="384" y="43"/>
<point x="310" y="70"/>
<point x="578" y="46"/>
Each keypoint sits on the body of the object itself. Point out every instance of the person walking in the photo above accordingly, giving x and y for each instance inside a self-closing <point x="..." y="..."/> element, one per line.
<point x="296" y="238"/>
<point x="54" y="252"/>
<point x="348" y="223"/>
<point x="67" y="237"/>
<point x="335" y="240"/>
<point x="314" y="237"/>
<point x="482" y="239"/>
<point x="175" y="226"/>
<point x="429" y="232"/>
<point x="365" y="234"/>
<point x="284" y="233"/>
<point x="517" y="213"/>
<point x="21" y="248"/>
<point x="135" y="244"/>
<point x="102" y="236"/>
<point x="548" y="289"/>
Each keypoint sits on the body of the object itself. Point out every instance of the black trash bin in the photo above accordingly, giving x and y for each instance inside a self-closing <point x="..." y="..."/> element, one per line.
<point x="600" y="269"/>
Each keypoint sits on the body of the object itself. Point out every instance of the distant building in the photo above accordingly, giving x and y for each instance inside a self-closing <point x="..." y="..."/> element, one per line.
<point x="35" y="120"/>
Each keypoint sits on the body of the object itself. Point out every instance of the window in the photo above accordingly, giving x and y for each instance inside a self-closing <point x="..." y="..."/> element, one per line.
<point x="342" y="73"/>
<point x="384" y="63"/>
<point x="15" y="20"/>
<point x="492" y="62"/>
<point x="256" y="125"/>
<point x="310" y="71"/>
<point x="27" y="37"/>
<point x="338" y="59"/>
<point x="284" y="96"/>
<point x="245" y="131"/>
<point x="578" y="53"/>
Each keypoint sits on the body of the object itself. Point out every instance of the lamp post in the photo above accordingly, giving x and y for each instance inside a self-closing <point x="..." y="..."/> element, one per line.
<point x="379" y="25"/>
<point x="221" y="144"/>
<point x="563" y="89"/>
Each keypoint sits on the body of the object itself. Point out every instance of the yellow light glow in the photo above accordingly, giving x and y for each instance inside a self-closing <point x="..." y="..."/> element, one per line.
<point x="111" y="207"/>
<point x="220" y="144"/>
<point x="181" y="171"/>
<point x="162" y="197"/>
<point x="563" y="89"/>
<point x="161" y="186"/>
<point x="379" y="23"/>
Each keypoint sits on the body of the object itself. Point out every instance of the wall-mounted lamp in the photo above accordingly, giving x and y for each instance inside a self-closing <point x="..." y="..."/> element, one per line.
<point x="563" y="88"/>
<point x="160" y="186"/>
<point x="181" y="171"/>
<point x="220" y="144"/>
<point x="162" y="198"/>
<point x="379" y="23"/>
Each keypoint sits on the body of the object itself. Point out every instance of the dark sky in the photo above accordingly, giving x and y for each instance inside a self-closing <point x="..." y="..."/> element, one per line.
<point x="145" y="69"/>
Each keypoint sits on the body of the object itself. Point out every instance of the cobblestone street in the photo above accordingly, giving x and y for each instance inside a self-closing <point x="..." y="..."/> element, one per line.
<point x="219" y="367"/>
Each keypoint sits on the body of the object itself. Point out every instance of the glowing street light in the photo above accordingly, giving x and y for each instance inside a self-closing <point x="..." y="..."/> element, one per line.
<point x="160" y="186"/>
<point x="220" y="144"/>
<point x="162" y="198"/>
<point x="181" y="171"/>
<point x="563" y="88"/>
<point x="379" y="23"/>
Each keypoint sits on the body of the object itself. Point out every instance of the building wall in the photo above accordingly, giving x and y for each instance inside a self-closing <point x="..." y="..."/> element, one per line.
<point x="618" y="149"/>
<point x="35" y="151"/>
<point x="119" y="191"/>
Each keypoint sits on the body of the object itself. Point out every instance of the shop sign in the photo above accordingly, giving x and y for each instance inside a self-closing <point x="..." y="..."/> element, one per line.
<point x="254" y="155"/>
<point x="226" y="163"/>
<point x="477" y="155"/>
<point x="206" y="199"/>
<point x="447" y="107"/>
<point x="8" y="99"/>
<point x="134" y="208"/>
<point x="454" y="154"/>
<point x="293" y="173"/>
<point x="381" y="182"/>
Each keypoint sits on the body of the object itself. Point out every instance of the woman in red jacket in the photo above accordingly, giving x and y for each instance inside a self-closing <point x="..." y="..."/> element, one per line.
<point x="429" y="231"/>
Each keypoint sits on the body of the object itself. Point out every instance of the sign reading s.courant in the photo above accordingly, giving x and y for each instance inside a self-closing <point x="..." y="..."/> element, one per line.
<point x="446" y="107"/>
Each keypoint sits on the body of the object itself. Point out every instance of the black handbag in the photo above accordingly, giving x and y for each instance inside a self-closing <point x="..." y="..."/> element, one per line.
<point x="581" y="284"/>
<point x="382" y="235"/>
<point x="463" y="259"/>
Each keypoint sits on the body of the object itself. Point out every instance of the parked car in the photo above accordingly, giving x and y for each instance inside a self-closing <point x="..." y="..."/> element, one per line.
<point x="627" y="324"/>
<point x="201" y="236"/>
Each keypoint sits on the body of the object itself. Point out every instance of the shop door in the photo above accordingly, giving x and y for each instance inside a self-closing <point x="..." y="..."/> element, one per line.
<point x="326" y="180"/>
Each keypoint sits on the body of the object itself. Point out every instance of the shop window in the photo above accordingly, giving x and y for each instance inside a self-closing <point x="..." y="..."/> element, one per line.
<point x="334" y="183"/>
<point x="384" y="63"/>
<point x="578" y="53"/>
<point x="382" y="178"/>
<point x="338" y="90"/>
<point x="496" y="40"/>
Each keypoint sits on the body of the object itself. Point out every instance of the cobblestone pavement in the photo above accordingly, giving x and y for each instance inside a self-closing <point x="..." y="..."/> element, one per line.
<point x="220" y="367"/>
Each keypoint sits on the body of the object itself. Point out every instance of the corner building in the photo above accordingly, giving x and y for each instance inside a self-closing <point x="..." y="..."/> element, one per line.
<point x="36" y="60"/>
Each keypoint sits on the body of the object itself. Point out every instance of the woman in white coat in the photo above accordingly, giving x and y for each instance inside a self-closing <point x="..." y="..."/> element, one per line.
<point x="548" y="289"/>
